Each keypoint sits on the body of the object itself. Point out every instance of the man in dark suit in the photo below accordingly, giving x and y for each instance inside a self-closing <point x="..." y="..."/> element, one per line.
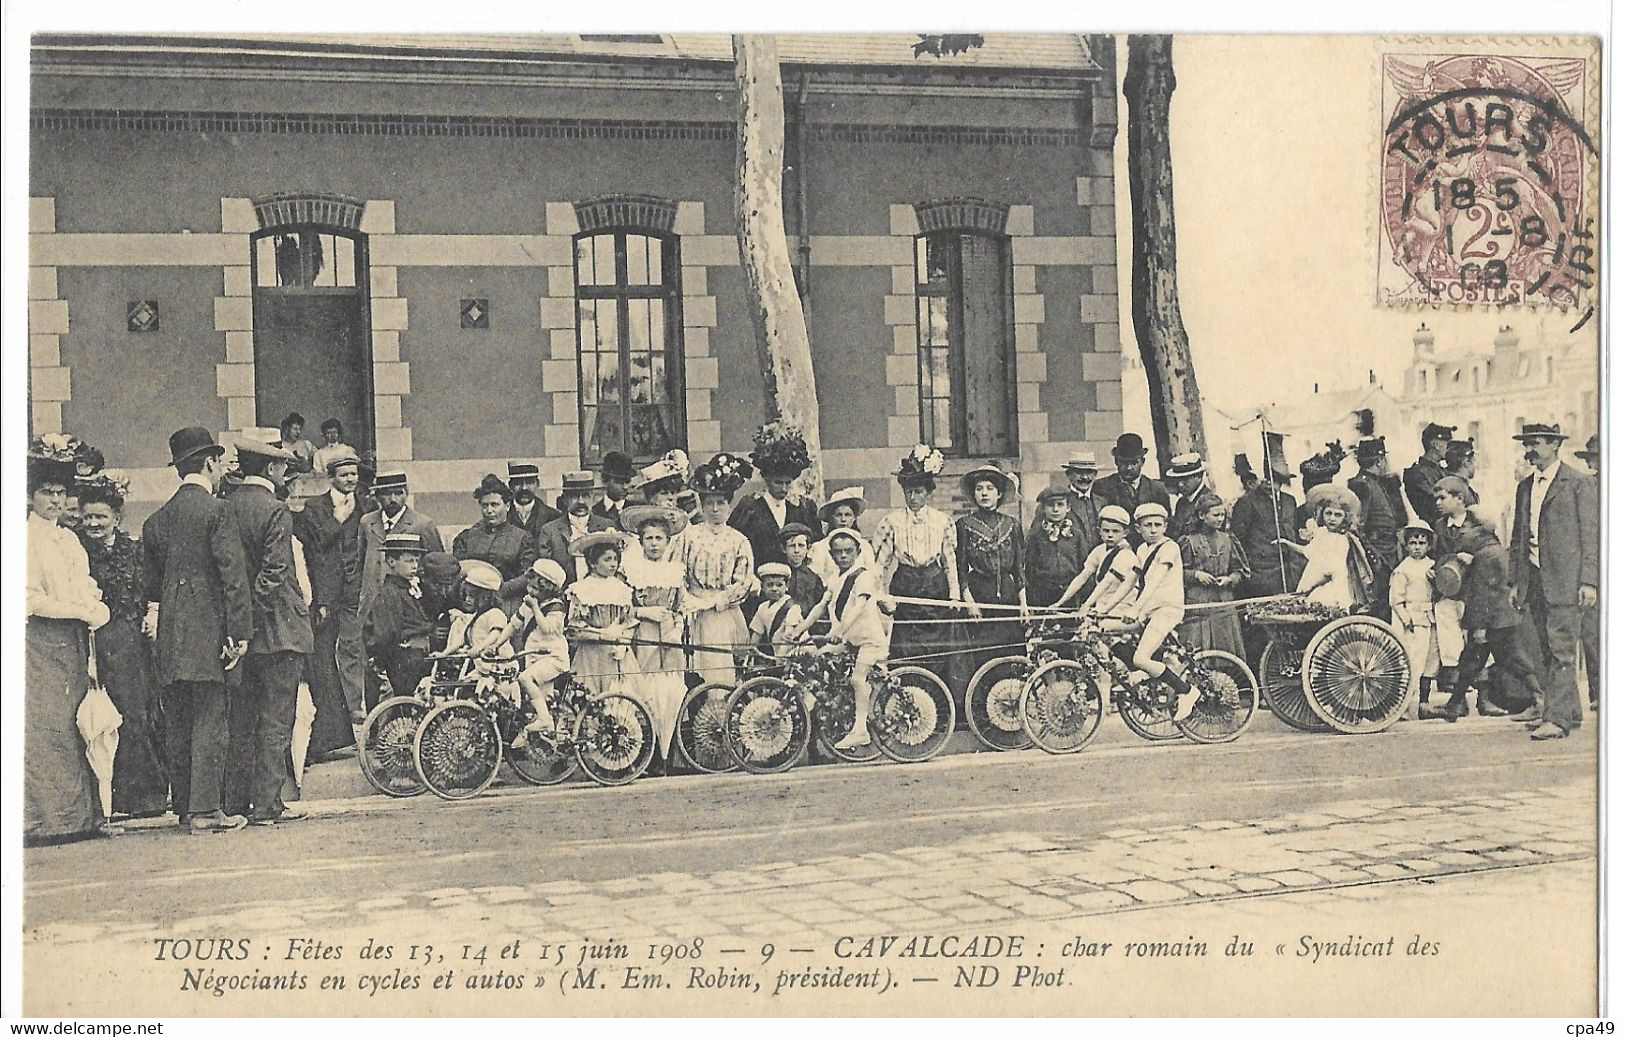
<point x="527" y="511"/>
<point x="262" y="710"/>
<point x="1187" y="476"/>
<point x="553" y="540"/>
<point x="1129" y="487"/>
<point x="392" y="516"/>
<point x="762" y="515"/>
<point x="1590" y="625"/>
<point x="618" y="476"/>
<point x="1555" y="544"/>
<point x="193" y="564"/>
<point x="1380" y="495"/>
<point x="1428" y="469"/>
<point x="1082" y="501"/>
<point x="330" y="530"/>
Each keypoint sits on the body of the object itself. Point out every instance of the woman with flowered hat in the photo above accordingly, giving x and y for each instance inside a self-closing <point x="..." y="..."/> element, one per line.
<point x="719" y="568"/>
<point x="918" y="545"/>
<point x="123" y="654"/>
<point x="992" y="568"/>
<point x="64" y="605"/>
<point x="780" y="457"/>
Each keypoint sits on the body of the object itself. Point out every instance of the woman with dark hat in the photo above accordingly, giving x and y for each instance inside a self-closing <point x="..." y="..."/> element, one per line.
<point x="919" y="545"/>
<point x="780" y="457"/>
<point x="123" y="654"/>
<point x="992" y="569"/>
<point x="720" y="569"/>
<point x="64" y="604"/>
<point x="496" y="540"/>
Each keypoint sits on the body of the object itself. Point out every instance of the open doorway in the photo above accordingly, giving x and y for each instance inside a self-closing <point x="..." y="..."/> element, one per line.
<point x="312" y="346"/>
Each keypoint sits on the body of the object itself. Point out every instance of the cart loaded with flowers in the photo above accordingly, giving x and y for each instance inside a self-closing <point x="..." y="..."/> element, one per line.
<point x="1323" y="669"/>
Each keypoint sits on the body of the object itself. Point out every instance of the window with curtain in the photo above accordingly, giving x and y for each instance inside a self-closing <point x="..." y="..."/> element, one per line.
<point x="629" y="332"/>
<point x="966" y="343"/>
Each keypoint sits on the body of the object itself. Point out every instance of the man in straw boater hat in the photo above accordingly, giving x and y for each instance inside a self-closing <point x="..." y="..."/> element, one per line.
<point x="262" y="709"/>
<point x="1084" y="504"/>
<point x="1129" y="486"/>
<point x="1554" y="568"/>
<point x="330" y="529"/>
<point x="780" y="457"/>
<point x="193" y="566"/>
<point x="1187" y="475"/>
<point x="393" y="516"/>
<point x="528" y="511"/>
<point x="576" y="522"/>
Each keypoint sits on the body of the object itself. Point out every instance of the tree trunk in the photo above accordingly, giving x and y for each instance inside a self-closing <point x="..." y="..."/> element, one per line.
<point x="782" y="345"/>
<point x="1176" y="403"/>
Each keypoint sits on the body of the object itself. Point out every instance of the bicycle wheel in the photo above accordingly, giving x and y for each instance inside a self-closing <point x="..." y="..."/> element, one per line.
<point x="386" y="746"/>
<point x="700" y="742"/>
<point x="832" y="719"/>
<point x="1280" y="671"/>
<point x="1145" y="718"/>
<point x="1356" y="675"/>
<point x="547" y="757"/>
<point x="457" y="750"/>
<point x="911" y="716"/>
<point x="766" y="728"/>
<point x="1060" y="707"/>
<point x="615" y="739"/>
<point x="1228" y="701"/>
<point x="993" y="702"/>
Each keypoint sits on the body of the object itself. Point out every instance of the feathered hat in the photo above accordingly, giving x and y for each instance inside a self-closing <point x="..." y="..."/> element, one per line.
<point x="725" y="474"/>
<point x="780" y="452"/>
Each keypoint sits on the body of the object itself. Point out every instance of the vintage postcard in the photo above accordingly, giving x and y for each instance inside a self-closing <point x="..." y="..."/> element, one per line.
<point x="844" y="524"/>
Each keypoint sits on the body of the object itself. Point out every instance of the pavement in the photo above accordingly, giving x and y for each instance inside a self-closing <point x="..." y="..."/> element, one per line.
<point x="1434" y="869"/>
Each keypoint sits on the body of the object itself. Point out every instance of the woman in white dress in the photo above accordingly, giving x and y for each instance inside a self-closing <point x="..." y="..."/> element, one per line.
<point x="657" y="603"/>
<point x="718" y="568"/>
<point x="600" y="614"/>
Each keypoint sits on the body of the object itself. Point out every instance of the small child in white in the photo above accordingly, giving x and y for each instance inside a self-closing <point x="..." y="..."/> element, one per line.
<point x="1111" y="572"/>
<point x="778" y="619"/>
<point x="1410" y="596"/>
<point x="540" y="618"/>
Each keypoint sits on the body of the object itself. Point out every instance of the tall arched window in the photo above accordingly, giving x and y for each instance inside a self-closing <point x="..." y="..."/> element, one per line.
<point x="629" y="329"/>
<point x="966" y="328"/>
<point x="312" y="348"/>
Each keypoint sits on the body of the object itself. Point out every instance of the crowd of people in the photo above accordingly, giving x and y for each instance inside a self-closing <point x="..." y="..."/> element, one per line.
<point x="304" y="568"/>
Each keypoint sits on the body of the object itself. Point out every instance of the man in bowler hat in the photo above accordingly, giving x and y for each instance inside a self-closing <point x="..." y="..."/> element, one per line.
<point x="1129" y="487"/>
<point x="618" y="475"/>
<point x="262" y="713"/>
<point x="196" y="578"/>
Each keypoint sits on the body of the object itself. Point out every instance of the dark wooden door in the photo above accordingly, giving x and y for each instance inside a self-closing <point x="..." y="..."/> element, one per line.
<point x="985" y="349"/>
<point x="311" y="355"/>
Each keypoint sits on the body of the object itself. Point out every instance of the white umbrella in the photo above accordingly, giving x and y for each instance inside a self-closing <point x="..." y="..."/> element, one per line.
<point x="99" y="721"/>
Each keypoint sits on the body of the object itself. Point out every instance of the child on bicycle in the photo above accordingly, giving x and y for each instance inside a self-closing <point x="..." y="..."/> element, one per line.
<point x="1111" y="571"/>
<point x="1160" y="603"/>
<point x="852" y="603"/>
<point x="540" y="618"/>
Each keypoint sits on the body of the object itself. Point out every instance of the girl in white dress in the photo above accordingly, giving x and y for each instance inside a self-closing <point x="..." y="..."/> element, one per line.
<point x="600" y="614"/>
<point x="657" y="604"/>
<point x="718" y="568"/>
<point x="1337" y="573"/>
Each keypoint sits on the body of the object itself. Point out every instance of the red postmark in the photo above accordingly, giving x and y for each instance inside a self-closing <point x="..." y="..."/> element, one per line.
<point x="1485" y="181"/>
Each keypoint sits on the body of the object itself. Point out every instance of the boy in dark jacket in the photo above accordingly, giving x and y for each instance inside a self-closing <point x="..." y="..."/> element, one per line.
<point x="806" y="588"/>
<point x="1056" y="549"/>
<point x="1488" y="617"/>
<point x="397" y="629"/>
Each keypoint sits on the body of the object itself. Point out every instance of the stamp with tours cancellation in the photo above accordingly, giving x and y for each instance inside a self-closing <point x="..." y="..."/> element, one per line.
<point x="1488" y="189"/>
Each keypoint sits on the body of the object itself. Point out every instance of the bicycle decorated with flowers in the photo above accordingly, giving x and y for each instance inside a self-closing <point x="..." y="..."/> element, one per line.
<point x="1062" y="704"/>
<point x="993" y="695"/>
<point x="387" y="735"/>
<point x="769" y="721"/>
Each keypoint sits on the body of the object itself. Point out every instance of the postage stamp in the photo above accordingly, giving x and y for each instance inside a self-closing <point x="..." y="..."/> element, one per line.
<point x="1487" y="187"/>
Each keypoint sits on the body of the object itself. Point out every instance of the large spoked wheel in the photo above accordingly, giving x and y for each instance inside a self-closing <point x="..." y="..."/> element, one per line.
<point x="701" y="745"/>
<point x="1356" y="675"/>
<point x="1280" y="671"/>
<point x="615" y="739"/>
<point x="547" y="757"/>
<point x="457" y="750"/>
<point x="386" y="746"/>
<point x="993" y="702"/>
<point x="766" y="728"/>
<point x="1228" y="701"/>
<point x="911" y="716"/>
<point x="1060" y="707"/>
